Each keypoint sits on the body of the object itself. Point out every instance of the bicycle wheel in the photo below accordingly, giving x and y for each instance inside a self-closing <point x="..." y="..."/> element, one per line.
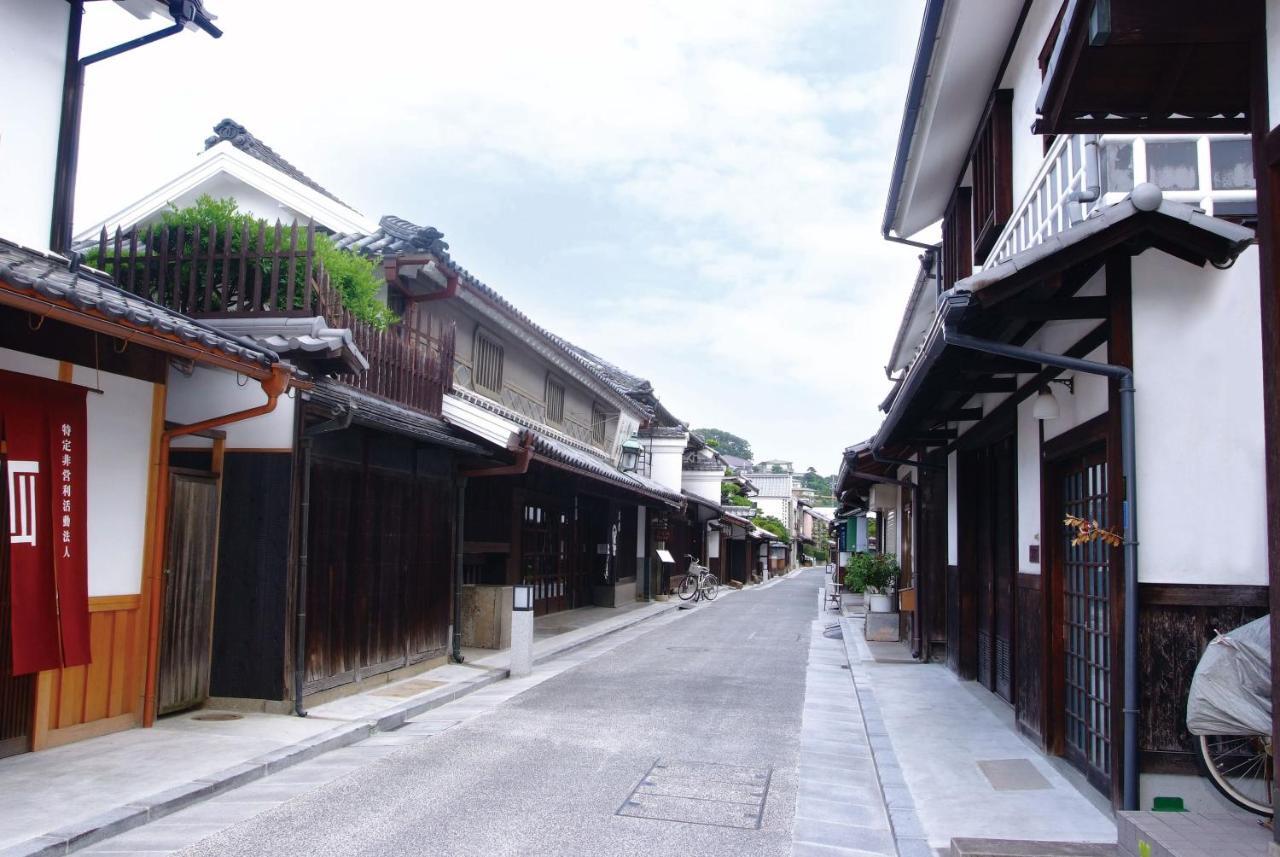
<point x="688" y="587"/>
<point x="1240" y="767"/>
<point x="710" y="586"/>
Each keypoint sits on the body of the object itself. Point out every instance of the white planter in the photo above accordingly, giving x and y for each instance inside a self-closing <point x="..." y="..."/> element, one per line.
<point x="880" y="603"/>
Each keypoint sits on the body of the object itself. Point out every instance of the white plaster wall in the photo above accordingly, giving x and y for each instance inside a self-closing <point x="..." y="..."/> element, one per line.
<point x="1028" y="522"/>
<point x="704" y="483"/>
<point x="31" y="68"/>
<point x="666" y="461"/>
<point x="1273" y="59"/>
<point x="713" y="544"/>
<point x="1198" y="374"/>
<point x="777" y="507"/>
<point x="1023" y="76"/>
<point x="119" y="457"/>
<point x="210" y="393"/>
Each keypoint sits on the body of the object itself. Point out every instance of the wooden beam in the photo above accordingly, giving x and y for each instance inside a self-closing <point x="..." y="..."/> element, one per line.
<point x="1056" y="309"/>
<point x="985" y="385"/>
<point x="932" y="437"/>
<point x="959" y="415"/>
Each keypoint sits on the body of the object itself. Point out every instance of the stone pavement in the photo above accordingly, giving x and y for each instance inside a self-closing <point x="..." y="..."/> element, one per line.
<point x="840" y="807"/>
<point x="82" y="791"/>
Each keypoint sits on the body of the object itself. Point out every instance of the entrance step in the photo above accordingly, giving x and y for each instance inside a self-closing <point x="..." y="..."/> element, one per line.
<point x="1190" y="834"/>
<point x="1030" y="848"/>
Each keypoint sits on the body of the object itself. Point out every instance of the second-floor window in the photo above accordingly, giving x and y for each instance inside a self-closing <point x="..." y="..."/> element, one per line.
<point x="555" y="401"/>
<point x="599" y="424"/>
<point x="487" y="357"/>
<point x="992" y="164"/>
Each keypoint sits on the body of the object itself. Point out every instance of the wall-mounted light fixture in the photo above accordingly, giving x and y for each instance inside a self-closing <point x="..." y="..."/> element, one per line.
<point x="1046" y="406"/>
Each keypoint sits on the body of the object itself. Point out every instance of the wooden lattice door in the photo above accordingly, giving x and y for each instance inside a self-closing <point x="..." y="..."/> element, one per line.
<point x="1085" y="572"/>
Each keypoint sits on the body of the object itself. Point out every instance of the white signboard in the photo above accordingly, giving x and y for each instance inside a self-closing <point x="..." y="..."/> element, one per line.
<point x="665" y="556"/>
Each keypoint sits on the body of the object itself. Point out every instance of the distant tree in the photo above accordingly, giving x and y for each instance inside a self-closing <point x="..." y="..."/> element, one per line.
<point x="725" y="442"/>
<point x="731" y="495"/>
<point x="777" y="468"/>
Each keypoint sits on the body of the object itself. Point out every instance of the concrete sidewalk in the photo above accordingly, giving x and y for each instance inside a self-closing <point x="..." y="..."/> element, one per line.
<point x="952" y="763"/>
<point x="61" y="799"/>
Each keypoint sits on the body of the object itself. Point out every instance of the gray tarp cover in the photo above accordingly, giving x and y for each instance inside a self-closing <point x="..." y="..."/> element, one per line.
<point x="1231" y="690"/>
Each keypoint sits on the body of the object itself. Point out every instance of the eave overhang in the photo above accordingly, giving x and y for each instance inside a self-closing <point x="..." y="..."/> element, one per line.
<point x="975" y="302"/>
<point x="1135" y="66"/>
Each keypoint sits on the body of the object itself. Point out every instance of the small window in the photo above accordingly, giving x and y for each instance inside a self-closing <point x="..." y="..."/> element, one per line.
<point x="1117" y="169"/>
<point x="599" y="424"/>
<point x="487" y="372"/>
<point x="1232" y="162"/>
<point x="555" y="401"/>
<point x="1172" y="165"/>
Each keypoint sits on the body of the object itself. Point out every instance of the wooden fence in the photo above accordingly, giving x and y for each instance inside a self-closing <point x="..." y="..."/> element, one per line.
<point x="206" y="272"/>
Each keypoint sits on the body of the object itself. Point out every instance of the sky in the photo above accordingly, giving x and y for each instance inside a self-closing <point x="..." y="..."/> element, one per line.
<point x="691" y="189"/>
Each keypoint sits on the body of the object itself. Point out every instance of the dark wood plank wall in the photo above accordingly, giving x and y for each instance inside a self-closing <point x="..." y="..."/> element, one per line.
<point x="1176" y="622"/>
<point x="1029" y="688"/>
<point x="379" y="583"/>
<point x="931" y="552"/>
<point x="249" y="626"/>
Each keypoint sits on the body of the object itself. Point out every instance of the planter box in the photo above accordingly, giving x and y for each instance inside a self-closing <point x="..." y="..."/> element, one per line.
<point x="877" y="603"/>
<point x="882" y="627"/>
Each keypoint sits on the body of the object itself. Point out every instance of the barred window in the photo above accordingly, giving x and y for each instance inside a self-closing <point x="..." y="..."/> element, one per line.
<point x="555" y="401"/>
<point x="599" y="424"/>
<point x="487" y="356"/>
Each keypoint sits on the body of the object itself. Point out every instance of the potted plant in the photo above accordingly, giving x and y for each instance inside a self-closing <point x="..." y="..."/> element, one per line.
<point x="880" y="576"/>
<point x="855" y="573"/>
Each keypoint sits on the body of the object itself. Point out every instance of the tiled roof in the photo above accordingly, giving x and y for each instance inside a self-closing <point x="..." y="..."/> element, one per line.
<point x="395" y="235"/>
<point x="50" y="277"/>
<point x="309" y="339"/>
<point x="554" y="450"/>
<point x="378" y="412"/>
<point x="237" y="135"/>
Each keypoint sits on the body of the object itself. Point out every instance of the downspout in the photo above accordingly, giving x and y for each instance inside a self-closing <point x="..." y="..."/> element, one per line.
<point x="273" y="386"/>
<point x="338" y="423"/>
<point x="524" y="456"/>
<point x="1128" y="456"/>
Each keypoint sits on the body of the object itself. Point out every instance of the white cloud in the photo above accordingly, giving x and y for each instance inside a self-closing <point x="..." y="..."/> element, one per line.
<point x="754" y="137"/>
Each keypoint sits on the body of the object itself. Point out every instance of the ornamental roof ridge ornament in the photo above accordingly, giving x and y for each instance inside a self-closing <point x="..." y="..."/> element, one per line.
<point x="238" y="135"/>
<point x="425" y="238"/>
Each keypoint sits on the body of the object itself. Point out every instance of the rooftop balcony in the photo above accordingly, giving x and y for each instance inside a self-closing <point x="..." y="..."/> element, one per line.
<point x="1083" y="172"/>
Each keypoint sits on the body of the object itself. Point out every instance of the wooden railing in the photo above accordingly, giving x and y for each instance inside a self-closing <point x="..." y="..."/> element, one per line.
<point x="410" y="362"/>
<point x="206" y="272"/>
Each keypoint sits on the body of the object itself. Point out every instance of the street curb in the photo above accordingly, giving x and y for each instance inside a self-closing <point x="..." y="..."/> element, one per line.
<point x="122" y="819"/>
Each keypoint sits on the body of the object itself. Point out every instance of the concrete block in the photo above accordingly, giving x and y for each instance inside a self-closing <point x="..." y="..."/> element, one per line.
<point x="40" y="845"/>
<point x="882" y="627"/>
<point x="1028" y="848"/>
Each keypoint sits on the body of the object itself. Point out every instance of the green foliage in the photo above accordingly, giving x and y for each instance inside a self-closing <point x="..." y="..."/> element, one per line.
<point x="770" y="524"/>
<point x="355" y="277"/>
<point x="777" y="468"/>
<point x="724" y="442"/>
<point x="821" y="486"/>
<point x="731" y="495"/>
<point x="871" y="572"/>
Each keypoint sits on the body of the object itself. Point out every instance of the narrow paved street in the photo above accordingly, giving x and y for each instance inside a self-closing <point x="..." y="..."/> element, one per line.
<point x="682" y="741"/>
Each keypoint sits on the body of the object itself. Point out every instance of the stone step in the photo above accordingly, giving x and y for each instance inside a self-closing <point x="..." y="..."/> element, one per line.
<point x="1030" y="848"/>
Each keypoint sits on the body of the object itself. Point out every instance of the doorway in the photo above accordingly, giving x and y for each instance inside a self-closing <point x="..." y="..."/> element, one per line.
<point x="186" y="641"/>
<point x="1083" y="575"/>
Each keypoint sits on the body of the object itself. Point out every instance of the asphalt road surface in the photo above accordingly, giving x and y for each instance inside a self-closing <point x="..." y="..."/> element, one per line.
<point x="683" y="741"/>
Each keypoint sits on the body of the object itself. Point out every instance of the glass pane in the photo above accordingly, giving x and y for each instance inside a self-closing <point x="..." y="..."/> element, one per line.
<point x="1117" y="171"/>
<point x="1232" y="162"/>
<point x="1172" y="165"/>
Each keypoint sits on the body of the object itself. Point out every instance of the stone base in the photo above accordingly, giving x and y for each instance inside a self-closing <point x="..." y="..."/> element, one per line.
<point x="486" y="617"/>
<point x="882" y="627"/>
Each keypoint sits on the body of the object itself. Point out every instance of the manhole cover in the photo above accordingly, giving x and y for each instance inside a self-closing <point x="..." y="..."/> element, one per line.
<point x="700" y="793"/>
<point x="218" y="716"/>
<point x="833" y="632"/>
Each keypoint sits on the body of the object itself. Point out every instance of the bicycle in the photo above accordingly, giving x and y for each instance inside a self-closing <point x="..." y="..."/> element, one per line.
<point x="1229" y="716"/>
<point x="699" y="583"/>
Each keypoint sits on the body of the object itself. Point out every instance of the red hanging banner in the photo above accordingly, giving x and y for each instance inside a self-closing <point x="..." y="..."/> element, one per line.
<point x="44" y="430"/>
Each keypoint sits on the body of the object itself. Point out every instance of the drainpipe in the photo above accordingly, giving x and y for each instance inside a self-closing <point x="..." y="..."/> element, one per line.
<point x="1128" y="455"/>
<point x="524" y="455"/>
<point x="273" y="386"/>
<point x="338" y="423"/>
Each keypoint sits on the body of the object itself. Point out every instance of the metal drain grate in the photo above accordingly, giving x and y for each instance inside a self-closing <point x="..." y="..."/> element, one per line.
<point x="700" y="793"/>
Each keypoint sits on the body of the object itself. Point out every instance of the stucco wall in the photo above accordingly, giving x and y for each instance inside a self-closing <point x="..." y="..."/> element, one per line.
<point x="118" y="469"/>
<point x="1198" y="375"/>
<point x="31" y="66"/>
<point x="213" y="392"/>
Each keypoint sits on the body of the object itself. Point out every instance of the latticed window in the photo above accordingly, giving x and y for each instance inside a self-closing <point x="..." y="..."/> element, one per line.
<point x="599" y="424"/>
<point x="555" y="401"/>
<point x="487" y="357"/>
